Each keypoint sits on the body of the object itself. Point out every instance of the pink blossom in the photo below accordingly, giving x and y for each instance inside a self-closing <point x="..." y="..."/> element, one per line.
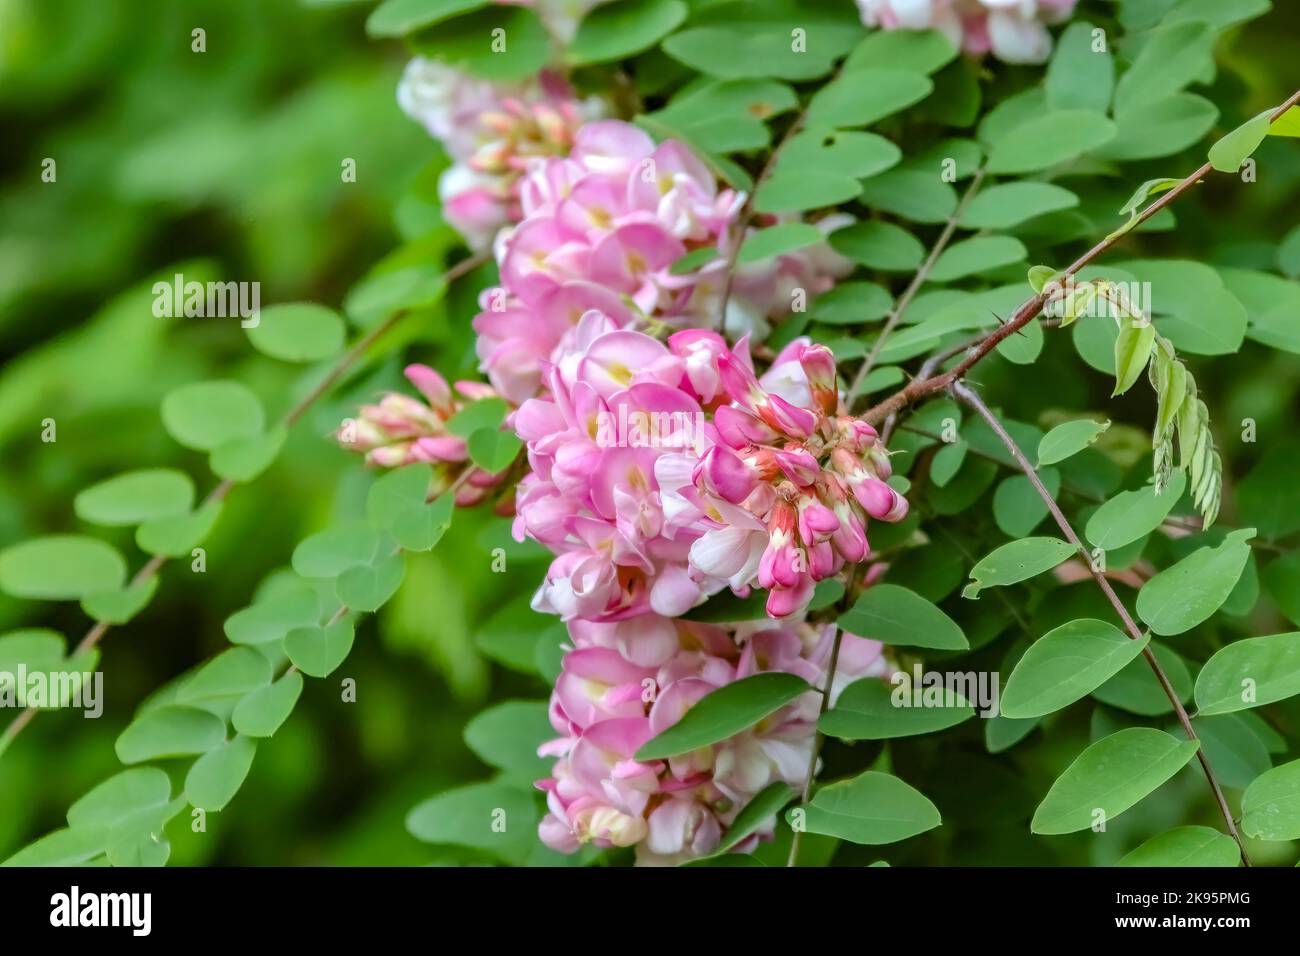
<point x="401" y="430"/>
<point x="492" y="134"/>
<point x="1013" y="30"/>
<point x="794" y="482"/>
<point x="605" y="707"/>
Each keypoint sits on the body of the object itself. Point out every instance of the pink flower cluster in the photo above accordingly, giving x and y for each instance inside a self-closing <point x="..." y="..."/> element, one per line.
<point x="661" y="473"/>
<point x="601" y="229"/>
<point x="401" y="430"/>
<point x="1014" y="31"/>
<point x="624" y="683"/>
<point x="492" y="134"/>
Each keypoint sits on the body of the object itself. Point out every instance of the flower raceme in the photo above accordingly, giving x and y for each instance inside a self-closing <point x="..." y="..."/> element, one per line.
<point x="601" y="229"/>
<point x="401" y="430"/>
<point x="492" y="133"/>
<point x="1014" y="31"/>
<point x="624" y="683"/>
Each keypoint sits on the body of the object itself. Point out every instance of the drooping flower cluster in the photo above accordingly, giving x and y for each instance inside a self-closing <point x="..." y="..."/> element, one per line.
<point x="624" y="683"/>
<point x="662" y="473"/>
<point x="642" y="428"/>
<point x="492" y="133"/>
<point x="602" y="229"/>
<point x="401" y="430"/>
<point x="1014" y="31"/>
<point x="791" y="481"/>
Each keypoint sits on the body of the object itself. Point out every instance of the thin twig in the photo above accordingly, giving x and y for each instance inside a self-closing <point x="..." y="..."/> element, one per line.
<point x="818" y="737"/>
<point x="919" y="387"/>
<point x="918" y="280"/>
<point x="968" y="395"/>
<point x="151" y="567"/>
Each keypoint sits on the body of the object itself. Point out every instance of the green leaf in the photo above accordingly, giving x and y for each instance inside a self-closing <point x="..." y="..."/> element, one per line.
<point x="1109" y="777"/>
<point x="850" y="303"/>
<point x="119" y="797"/>
<point x="1232" y="150"/>
<point x="1132" y="514"/>
<point x="924" y="51"/>
<point x="369" y="586"/>
<point x="382" y="294"/>
<point x="1048" y="139"/>
<point x="694" y="260"/>
<point x="1017" y="506"/>
<point x="397" y="505"/>
<point x="1065" y="665"/>
<point x="232" y="673"/>
<point x="765" y="805"/>
<point x="947" y="461"/>
<point x="1185" y="846"/>
<point x="867" y="710"/>
<point x="1010" y="204"/>
<point x="1250" y="673"/>
<point x="119" y="606"/>
<point x="879" y="245"/>
<point x="176" y="537"/>
<point x="865" y="95"/>
<point x="872" y="809"/>
<point x="1181" y="597"/>
<point x="329" y="553"/>
<point x="135" y="496"/>
<point x="1270" y="807"/>
<point x="1039" y="276"/>
<point x="778" y="240"/>
<point x="618" y="30"/>
<point x="217" y="776"/>
<point x="1079" y="76"/>
<point x="297" y="332"/>
<point x="838" y="152"/>
<point x="1288" y="124"/>
<point x="493" y="450"/>
<point x="263" y="710"/>
<point x="895" y="615"/>
<point x="395" y="18"/>
<point x="737" y="40"/>
<point x="1160" y="128"/>
<point x="918" y="195"/>
<point x="1136" y="690"/>
<point x="470" y="43"/>
<point x="793" y="192"/>
<point x="205" y="415"/>
<point x="1069" y="439"/>
<point x="318" y="651"/>
<point x="169" y="731"/>
<point x="60" y="567"/>
<point x="243" y="459"/>
<point x="36" y="648"/>
<point x="724" y="713"/>
<point x="973" y="256"/>
<point x="61" y="848"/>
<point x="507" y="735"/>
<point x="500" y="818"/>
<point x="1017" y="561"/>
<point x="1177" y="54"/>
<point x="271" y="618"/>
<point x="484" y="413"/>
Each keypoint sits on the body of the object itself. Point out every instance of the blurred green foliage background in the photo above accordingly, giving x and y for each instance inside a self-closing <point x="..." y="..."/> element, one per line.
<point x="222" y="165"/>
<point x="226" y="165"/>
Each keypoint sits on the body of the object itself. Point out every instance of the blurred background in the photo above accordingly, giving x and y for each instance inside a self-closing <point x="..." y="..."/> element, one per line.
<point x="225" y="164"/>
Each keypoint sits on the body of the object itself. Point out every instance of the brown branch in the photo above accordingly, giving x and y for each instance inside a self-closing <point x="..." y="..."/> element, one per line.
<point x="971" y="398"/>
<point x="920" y="387"/>
<point x="151" y="567"/>
<point x="918" y="280"/>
